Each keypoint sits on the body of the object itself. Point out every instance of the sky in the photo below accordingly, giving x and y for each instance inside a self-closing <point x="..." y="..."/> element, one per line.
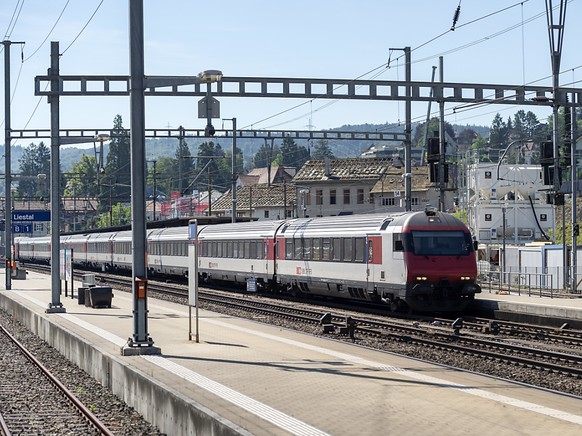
<point x="502" y="42"/>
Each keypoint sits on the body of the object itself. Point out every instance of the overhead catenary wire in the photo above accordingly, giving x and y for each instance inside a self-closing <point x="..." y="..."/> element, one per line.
<point x="386" y="65"/>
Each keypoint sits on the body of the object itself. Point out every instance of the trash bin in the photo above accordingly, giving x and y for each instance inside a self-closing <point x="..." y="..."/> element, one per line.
<point x="81" y="295"/>
<point x="100" y="296"/>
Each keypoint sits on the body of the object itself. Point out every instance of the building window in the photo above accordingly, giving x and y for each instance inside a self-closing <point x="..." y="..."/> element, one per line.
<point x="360" y="196"/>
<point x="307" y="198"/>
<point x="347" y="196"/>
<point x="390" y="201"/>
<point x="332" y="197"/>
<point x="266" y="214"/>
<point x="319" y="197"/>
<point x="414" y="201"/>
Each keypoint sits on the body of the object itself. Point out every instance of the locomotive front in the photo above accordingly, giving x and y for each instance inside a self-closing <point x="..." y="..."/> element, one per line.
<point x="439" y="254"/>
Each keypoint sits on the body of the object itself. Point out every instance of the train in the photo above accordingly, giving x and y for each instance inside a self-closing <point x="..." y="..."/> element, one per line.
<point x="420" y="261"/>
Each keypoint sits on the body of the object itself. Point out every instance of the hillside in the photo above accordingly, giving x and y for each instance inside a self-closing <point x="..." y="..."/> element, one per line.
<point x="160" y="147"/>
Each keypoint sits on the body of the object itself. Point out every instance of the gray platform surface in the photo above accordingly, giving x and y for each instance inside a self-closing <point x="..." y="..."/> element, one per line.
<point x="249" y="378"/>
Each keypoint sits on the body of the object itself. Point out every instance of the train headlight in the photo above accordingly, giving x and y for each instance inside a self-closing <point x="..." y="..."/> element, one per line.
<point x="466" y="278"/>
<point x="421" y="278"/>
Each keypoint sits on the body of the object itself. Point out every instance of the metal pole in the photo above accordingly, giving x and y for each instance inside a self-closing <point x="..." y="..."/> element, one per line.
<point x="503" y="210"/>
<point x="55" y="305"/>
<point x="7" y="168"/>
<point x="427" y="119"/>
<point x="441" y="141"/>
<point x="155" y="190"/>
<point x="209" y="193"/>
<point x="408" y="133"/>
<point x="574" y="166"/>
<point x="141" y="341"/>
<point x="234" y="170"/>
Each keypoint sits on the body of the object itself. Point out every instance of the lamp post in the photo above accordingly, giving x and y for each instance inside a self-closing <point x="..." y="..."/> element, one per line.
<point x="101" y="138"/>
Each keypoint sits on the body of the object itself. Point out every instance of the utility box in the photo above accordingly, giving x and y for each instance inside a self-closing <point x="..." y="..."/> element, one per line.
<point x="99" y="296"/>
<point x="88" y="280"/>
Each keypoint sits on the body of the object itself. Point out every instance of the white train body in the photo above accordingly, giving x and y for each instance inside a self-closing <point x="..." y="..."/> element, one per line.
<point x="423" y="261"/>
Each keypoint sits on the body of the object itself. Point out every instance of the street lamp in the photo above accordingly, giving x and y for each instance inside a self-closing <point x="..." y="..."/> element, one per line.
<point x="100" y="138"/>
<point x="209" y="103"/>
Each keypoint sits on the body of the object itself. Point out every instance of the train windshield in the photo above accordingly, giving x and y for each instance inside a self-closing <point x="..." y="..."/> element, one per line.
<point x="439" y="243"/>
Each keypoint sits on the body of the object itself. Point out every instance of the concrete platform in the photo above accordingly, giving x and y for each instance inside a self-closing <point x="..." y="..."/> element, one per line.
<point x="530" y="307"/>
<point x="244" y="377"/>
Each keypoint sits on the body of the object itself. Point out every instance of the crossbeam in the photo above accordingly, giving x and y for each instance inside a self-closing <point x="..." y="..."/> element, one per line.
<point x="340" y="89"/>
<point x="74" y="136"/>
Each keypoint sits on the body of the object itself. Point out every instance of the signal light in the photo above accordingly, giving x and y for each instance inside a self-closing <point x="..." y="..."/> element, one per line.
<point x="433" y="150"/>
<point x="209" y="130"/>
<point x="547" y="153"/>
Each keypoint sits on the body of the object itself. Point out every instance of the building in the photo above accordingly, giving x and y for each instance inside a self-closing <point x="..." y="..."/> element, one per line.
<point x="507" y="203"/>
<point x="354" y="186"/>
<point x="388" y="191"/>
<point x="262" y="201"/>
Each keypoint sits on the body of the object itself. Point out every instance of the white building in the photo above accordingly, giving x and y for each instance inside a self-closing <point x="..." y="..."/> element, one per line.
<point x="513" y="192"/>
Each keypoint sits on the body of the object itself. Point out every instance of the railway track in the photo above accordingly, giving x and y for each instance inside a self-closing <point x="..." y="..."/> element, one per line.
<point x="502" y="343"/>
<point x="34" y="401"/>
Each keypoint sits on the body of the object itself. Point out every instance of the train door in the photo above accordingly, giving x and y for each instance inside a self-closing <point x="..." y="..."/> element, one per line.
<point x="370" y="263"/>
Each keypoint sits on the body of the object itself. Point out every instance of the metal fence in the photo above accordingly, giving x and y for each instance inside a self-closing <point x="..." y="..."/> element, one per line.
<point x="531" y="281"/>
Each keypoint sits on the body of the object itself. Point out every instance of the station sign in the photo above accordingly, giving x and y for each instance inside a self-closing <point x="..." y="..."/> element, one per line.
<point x="31" y="215"/>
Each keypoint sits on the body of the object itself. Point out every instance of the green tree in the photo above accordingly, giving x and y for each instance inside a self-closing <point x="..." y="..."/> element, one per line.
<point x="265" y="155"/>
<point x="498" y="133"/>
<point x="184" y="163"/>
<point x="81" y="181"/>
<point x="119" y="215"/>
<point x="165" y="176"/>
<point x="34" y="162"/>
<point x="321" y="150"/>
<point x="118" y="167"/>
<point x="293" y="155"/>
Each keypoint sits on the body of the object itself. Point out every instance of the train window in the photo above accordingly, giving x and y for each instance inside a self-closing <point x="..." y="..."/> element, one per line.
<point x="348" y="244"/>
<point x="289" y="249"/>
<point x="229" y="249"/>
<point x="325" y="249"/>
<point x="398" y="244"/>
<point x="336" y="249"/>
<point x="316" y="248"/>
<point x="253" y="250"/>
<point x="298" y="248"/>
<point x="360" y="249"/>
<point x="247" y="252"/>
<point x="235" y="249"/>
<point x="307" y="249"/>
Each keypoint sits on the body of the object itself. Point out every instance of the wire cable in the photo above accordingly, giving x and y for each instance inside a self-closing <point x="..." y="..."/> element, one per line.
<point x="14" y="19"/>
<point x="83" y="29"/>
<point x="50" y="31"/>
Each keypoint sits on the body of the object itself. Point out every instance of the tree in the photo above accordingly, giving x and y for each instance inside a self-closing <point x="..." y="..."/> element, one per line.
<point x="265" y="155"/>
<point x="321" y="150"/>
<point x="34" y="161"/>
<point x="118" y="167"/>
<point x="184" y="163"/>
<point x="498" y="133"/>
<point x="292" y="155"/>
<point x="82" y="180"/>
<point x="119" y="215"/>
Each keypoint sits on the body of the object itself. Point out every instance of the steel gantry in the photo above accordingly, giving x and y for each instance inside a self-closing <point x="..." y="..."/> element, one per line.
<point x="138" y="86"/>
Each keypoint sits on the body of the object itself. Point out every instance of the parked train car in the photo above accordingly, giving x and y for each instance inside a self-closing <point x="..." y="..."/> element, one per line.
<point x="420" y="261"/>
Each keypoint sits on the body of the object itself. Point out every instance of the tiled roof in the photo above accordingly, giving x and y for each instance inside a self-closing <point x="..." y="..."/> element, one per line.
<point x="342" y="169"/>
<point x="392" y="180"/>
<point x="262" y="196"/>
